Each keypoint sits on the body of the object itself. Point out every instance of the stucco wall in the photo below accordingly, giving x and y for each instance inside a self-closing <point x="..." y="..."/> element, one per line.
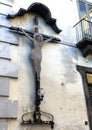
<point x="62" y="83"/>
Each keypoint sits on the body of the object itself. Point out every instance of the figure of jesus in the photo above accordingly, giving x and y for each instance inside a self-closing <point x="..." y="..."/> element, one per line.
<point x="36" y="51"/>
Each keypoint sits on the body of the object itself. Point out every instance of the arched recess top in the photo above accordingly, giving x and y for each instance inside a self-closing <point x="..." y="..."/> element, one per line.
<point x="41" y="9"/>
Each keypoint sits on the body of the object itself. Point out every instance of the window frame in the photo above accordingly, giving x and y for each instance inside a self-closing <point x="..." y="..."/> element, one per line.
<point x="83" y="71"/>
<point x="87" y="10"/>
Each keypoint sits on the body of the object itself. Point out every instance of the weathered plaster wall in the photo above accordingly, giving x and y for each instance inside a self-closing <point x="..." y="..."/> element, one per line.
<point x="8" y="69"/>
<point x="62" y="83"/>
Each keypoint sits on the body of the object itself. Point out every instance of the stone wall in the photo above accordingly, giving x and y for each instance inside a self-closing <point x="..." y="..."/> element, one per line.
<point x="8" y="69"/>
<point x="64" y="96"/>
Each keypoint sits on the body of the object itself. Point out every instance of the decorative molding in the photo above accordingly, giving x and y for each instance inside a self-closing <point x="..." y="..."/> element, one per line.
<point x="8" y="42"/>
<point x="6" y="4"/>
<point x="20" y="13"/>
<point x="41" y="9"/>
<point x="4" y="26"/>
<point x="3" y="14"/>
<point x="84" y="69"/>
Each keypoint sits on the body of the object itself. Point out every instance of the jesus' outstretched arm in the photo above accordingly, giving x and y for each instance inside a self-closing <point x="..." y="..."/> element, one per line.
<point x="27" y="34"/>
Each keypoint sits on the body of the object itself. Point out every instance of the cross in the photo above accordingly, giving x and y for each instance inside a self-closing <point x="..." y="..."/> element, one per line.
<point x="18" y="30"/>
<point x="36" y="23"/>
<point x="38" y="40"/>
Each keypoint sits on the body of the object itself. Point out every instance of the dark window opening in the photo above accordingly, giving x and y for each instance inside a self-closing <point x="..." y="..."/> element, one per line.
<point x="89" y="83"/>
<point x="86" y="74"/>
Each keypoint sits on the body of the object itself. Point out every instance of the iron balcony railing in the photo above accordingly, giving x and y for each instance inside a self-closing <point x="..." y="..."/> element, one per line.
<point x="83" y="30"/>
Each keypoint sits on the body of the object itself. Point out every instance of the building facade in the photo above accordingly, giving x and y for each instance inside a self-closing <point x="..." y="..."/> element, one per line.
<point x="66" y="66"/>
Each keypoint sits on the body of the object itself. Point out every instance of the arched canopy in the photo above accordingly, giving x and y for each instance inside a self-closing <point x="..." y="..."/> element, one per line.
<point x="40" y="9"/>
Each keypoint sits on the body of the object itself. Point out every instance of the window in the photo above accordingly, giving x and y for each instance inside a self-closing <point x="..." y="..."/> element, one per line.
<point x="84" y="27"/>
<point x="90" y="12"/>
<point x="89" y="83"/>
<point x="82" y="10"/>
<point x="85" y="10"/>
<point x="86" y="74"/>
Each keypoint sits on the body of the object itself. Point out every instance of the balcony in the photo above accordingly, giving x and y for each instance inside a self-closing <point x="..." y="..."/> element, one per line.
<point x="84" y="36"/>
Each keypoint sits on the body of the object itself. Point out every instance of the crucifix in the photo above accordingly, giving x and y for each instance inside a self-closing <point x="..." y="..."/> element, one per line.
<point x="38" y="40"/>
